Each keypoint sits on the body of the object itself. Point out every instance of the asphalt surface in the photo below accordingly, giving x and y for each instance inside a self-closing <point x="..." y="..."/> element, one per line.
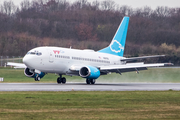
<point x="85" y="87"/>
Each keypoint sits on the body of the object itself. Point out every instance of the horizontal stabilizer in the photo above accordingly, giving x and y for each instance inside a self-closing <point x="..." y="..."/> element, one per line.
<point x="143" y="57"/>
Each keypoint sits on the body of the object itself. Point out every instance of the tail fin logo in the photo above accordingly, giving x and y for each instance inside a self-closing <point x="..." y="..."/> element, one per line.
<point x="116" y="47"/>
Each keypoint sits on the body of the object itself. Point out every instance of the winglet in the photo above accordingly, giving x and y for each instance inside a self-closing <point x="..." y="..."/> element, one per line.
<point x="118" y="42"/>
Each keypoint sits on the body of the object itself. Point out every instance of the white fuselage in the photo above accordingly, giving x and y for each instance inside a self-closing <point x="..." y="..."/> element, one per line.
<point x="59" y="60"/>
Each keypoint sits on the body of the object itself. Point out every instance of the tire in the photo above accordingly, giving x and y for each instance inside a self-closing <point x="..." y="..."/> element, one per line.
<point x="63" y="80"/>
<point x="92" y="81"/>
<point x="88" y="81"/>
<point x="37" y="78"/>
<point x="59" y="80"/>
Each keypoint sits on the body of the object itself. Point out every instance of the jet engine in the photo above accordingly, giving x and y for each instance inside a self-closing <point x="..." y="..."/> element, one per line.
<point x="37" y="75"/>
<point x="89" y="72"/>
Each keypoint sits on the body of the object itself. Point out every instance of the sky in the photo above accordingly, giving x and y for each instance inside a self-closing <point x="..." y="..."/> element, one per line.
<point x="132" y="3"/>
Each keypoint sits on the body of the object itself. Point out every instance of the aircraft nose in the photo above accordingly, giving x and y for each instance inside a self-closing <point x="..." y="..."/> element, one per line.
<point x="27" y="61"/>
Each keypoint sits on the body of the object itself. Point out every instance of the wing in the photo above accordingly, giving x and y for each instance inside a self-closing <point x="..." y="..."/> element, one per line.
<point x="129" y="67"/>
<point x="75" y="70"/>
<point x="16" y="65"/>
<point x="76" y="67"/>
<point x="144" y="57"/>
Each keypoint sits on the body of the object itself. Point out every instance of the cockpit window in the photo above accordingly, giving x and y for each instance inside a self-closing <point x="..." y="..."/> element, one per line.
<point x="38" y="53"/>
<point x="34" y="53"/>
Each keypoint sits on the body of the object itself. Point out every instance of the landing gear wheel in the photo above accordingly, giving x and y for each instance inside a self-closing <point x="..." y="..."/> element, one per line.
<point x="92" y="81"/>
<point x="37" y="78"/>
<point x="59" y="80"/>
<point x="88" y="81"/>
<point x="63" y="80"/>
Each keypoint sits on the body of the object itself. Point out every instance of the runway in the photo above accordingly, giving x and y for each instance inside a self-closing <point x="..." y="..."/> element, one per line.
<point x="85" y="87"/>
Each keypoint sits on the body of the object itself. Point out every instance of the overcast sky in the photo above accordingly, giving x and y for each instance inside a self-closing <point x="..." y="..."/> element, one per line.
<point x="133" y="3"/>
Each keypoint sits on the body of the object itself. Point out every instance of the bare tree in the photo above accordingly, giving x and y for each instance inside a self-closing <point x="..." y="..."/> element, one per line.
<point x="9" y="7"/>
<point x="125" y="10"/>
<point x="108" y="5"/>
<point x="25" y="4"/>
<point x="96" y="4"/>
<point x="162" y="11"/>
<point x="147" y="11"/>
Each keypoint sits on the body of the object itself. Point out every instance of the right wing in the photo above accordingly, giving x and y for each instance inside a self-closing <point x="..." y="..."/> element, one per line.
<point x="129" y="67"/>
<point x="17" y="65"/>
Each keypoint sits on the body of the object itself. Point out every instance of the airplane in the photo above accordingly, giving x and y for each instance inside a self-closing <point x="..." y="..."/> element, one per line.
<point x="88" y="64"/>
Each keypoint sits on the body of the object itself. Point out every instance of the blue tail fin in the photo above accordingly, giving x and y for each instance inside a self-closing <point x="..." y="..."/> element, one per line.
<point x="118" y="43"/>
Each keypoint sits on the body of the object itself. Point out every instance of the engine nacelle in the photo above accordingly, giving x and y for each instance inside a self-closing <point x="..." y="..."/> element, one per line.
<point x="33" y="74"/>
<point x="89" y="72"/>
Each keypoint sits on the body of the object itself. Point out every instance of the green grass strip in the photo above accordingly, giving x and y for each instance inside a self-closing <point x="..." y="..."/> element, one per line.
<point x="77" y="105"/>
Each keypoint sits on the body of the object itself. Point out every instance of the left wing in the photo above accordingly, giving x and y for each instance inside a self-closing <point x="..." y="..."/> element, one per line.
<point x="17" y="65"/>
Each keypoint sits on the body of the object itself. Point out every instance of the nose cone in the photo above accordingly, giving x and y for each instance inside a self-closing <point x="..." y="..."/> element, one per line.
<point x="24" y="59"/>
<point x="27" y="61"/>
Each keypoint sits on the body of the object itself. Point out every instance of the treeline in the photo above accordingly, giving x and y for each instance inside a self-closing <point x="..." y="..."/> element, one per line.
<point x="91" y="25"/>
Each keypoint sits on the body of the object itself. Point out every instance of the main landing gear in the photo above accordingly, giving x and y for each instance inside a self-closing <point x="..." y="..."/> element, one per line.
<point x="61" y="80"/>
<point x="90" y="81"/>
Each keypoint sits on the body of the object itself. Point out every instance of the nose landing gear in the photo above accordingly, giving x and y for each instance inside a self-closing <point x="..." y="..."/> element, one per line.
<point x="37" y="78"/>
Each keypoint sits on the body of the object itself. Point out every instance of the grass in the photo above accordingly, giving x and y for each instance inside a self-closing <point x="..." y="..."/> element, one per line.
<point x="77" y="105"/>
<point x="166" y="75"/>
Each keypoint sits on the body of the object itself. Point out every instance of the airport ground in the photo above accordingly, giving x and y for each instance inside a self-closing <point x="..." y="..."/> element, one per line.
<point x="76" y="105"/>
<point x="92" y="104"/>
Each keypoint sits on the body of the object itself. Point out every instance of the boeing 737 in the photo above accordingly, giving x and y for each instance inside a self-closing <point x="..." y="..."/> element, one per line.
<point x="88" y="64"/>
